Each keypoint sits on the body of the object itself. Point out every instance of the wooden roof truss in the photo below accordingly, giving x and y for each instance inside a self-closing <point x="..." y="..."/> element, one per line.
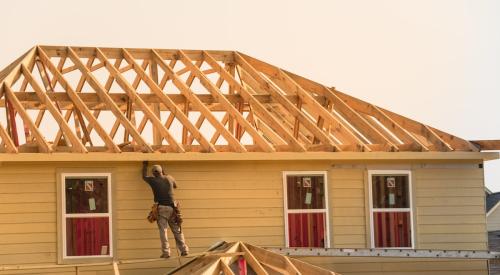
<point x="87" y="99"/>
<point x="243" y="258"/>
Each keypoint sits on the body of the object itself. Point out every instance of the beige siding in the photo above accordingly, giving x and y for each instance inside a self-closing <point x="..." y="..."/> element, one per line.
<point x="242" y="201"/>
<point x="450" y="209"/>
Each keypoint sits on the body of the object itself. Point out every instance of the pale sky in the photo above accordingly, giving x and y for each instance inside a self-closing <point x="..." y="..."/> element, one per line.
<point x="436" y="61"/>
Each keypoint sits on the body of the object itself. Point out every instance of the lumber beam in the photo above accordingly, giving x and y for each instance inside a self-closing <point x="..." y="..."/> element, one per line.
<point x="249" y="72"/>
<point x="44" y="146"/>
<point x="339" y="129"/>
<point x="75" y="141"/>
<point x="190" y="96"/>
<point x="230" y="109"/>
<point x="107" y="100"/>
<point x="135" y="99"/>
<point x="78" y="103"/>
<point x="258" y="107"/>
<point x="487" y="144"/>
<point x="174" y="109"/>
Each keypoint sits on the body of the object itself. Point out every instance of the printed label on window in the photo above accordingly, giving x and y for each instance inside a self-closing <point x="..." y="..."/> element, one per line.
<point x="306" y="183"/>
<point x="89" y="186"/>
<point x="308" y="198"/>
<point x="391" y="182"/>
<point x="92" y="204"/>
<point x="104" y="250"/>
<point x="392" y="199"/>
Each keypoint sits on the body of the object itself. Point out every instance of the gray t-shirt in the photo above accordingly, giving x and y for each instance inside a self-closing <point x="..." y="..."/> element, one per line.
<point x="162" y="186"/>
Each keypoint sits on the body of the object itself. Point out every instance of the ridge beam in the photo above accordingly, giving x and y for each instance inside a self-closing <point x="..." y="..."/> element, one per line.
<point x="230" y="109"/>
<point x="191" y="97"/>
<point x="107" y="100"/>
<point x="174" y="109"/>
<point x="136" y="99"/>
<point x="290" y="107"/>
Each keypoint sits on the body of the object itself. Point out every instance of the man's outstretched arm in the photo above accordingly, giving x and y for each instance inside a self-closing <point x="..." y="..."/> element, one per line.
<point x="145" y="170"/>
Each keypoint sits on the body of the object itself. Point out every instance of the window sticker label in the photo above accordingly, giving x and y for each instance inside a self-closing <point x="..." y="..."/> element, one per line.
<point x="104" y="250"/>
<point x="306" y="182"/>
<point x="391" y="182"/>
<point x="89" y="186"/>
<point x="392" y="199"/>
<point x="92" y="204"/>
<point x="308" y="198"/>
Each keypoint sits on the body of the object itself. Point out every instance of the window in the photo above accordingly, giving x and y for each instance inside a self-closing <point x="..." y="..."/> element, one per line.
<point x="86" y="215"/>
<point x="391" y="209"/>
<point x="306" y="210"/>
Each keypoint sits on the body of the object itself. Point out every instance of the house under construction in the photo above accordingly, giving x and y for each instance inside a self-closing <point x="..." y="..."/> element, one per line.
<point x="263" y="158"/>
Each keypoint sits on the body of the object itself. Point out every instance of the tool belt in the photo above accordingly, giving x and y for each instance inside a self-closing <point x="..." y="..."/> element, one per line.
<point x="153" y="214"/>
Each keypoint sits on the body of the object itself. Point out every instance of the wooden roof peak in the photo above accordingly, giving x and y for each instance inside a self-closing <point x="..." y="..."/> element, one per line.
<point x="91" y="99"/>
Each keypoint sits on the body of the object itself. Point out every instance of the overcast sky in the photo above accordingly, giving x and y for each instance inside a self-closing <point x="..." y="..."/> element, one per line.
<point x="434" y="61"/>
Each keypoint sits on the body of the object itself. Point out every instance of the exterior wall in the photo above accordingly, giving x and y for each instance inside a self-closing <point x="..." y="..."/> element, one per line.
<point x="244" y="201"/>
<point x="493" y="220"/>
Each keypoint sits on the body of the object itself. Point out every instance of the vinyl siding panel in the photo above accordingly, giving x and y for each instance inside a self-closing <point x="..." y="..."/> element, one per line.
<point x="450" y="209"/>
<point x="241" y="201"/>
<point x="493" y="223"/>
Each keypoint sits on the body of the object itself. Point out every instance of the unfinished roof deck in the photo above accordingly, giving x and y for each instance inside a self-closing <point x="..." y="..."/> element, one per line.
<point x="111" y="100"/>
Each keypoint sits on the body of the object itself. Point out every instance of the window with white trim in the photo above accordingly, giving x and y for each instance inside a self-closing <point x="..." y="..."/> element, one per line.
<point x="391" y="209"/>
<point x="86" y="215"/>
<point x="306" y="210"/>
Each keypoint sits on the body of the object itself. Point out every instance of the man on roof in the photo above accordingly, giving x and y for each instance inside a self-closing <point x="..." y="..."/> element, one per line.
<point x="167" y="209"/>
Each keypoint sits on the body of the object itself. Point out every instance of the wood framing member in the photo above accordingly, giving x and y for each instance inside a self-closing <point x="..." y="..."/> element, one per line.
<point x="77" y="145"/>
<point x="230" y="109"/>
<point x="43" y="145"/>
<point x="106" y="99"/>
<point x="264" y="84"/>
<point x="258" y="107"/>
<point x="339" y="129"/>
<point x="487" y="144"/>
<point x="135" y="99"/>
<point x="174" y="109"/>
<point x="186" y="91"/>
<point x="78" y="103"/>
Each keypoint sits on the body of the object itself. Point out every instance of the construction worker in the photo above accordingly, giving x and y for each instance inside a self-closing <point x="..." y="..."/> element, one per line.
<point x="163" y="187"/>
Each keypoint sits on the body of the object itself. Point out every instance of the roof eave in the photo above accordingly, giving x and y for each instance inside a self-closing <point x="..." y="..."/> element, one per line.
<point x="255" y="156"/>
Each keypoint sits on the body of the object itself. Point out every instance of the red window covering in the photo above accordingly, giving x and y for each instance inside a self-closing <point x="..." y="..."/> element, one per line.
<point x="306" y="229"/>
<point x="392" y="229"/>
<point x="87" y="236"/>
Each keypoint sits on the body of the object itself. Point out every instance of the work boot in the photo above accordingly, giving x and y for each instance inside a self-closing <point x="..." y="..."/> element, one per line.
<point x="185" y="253"/>
<point x="165" y="256"/>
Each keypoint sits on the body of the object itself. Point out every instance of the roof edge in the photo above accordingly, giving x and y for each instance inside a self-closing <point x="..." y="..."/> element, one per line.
<point x="252" y="156"/>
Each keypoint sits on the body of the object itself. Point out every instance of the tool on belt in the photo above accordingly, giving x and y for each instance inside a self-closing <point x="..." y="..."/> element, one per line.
<point x="153" y="214"/>
<point x="176" y="216"/>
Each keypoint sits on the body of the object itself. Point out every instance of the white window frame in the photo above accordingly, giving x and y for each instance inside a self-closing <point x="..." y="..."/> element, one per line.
<point x="325" y="210"/>
<point x="64" y="215"/>
<point x="372" y="173"/>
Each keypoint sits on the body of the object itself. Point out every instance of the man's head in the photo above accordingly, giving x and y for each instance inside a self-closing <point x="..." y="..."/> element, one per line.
<point x="157" y="170"/>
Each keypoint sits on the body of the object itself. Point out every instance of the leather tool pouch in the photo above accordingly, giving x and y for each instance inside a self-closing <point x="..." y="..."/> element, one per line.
<point x="153" y="214"/>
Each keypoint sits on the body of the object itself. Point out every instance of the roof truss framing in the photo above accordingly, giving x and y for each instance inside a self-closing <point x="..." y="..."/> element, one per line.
<point x="86" y="99"/>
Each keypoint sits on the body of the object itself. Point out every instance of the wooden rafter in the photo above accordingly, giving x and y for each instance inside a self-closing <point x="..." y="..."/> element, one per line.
<point x="107" y="100"/>
<point x="134" y="98"/>
<point x="188" y="93"/>
<point x="250" y="72"/>
<point x="264" y="108"/>
<point x="77" y="146"/>
<point x="78" y="103"/>
<point x="174" y="109"/>
<point x="230" y="109"/>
